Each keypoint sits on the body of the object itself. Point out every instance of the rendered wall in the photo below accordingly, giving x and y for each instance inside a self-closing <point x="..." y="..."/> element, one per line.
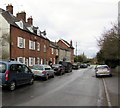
<point x="4" y="39"/>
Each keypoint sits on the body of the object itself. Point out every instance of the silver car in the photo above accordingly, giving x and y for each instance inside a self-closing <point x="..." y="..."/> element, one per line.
<point x="102" y="70"/>
<point x="44" y="71"/>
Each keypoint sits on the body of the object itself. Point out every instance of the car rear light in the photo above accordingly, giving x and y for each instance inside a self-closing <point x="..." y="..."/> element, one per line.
<point x="44" y="72"/>
<point x="6" y="75"/>
<point x="59" y="69"/>
<point x="96" y="70"/>
<point x="108" y="69"/>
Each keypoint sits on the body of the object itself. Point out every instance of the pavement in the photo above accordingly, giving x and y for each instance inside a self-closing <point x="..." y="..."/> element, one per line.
<point x="113" y="86"/>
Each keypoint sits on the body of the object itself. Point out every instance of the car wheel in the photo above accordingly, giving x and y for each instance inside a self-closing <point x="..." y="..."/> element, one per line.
<point x="53" y="75"/>
<point x="12" y="86"/>
<point x="110" y="75"/>
<point x="96" y="76"/>
<point x="31" y="81"/>
<point x="60" y="73"/>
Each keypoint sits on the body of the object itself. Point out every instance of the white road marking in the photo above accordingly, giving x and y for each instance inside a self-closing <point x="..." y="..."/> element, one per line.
<point x="107" y="94"/>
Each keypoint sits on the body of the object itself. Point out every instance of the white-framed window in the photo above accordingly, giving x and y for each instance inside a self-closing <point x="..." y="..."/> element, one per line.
<point x="31" y="61"/>
<point x="51" y="59"/>
<point x="41" y="61"/>
<point x="56" y="51"/>
<point x="38" y="46"/>
<point x="38" y="60"/>
<point x="52" y="50"/>
<point x="21" y="59"/>
<point x="44" y="61"/>
<point x="26" y="61"/>
<point x="44" y="48"/>
<point x="21" y="42"/>
<point x="31" y="45"/>
<point x="54" y="61"/>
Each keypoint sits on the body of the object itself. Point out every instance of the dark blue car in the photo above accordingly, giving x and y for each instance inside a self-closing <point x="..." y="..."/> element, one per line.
<point x="14" y="73"/>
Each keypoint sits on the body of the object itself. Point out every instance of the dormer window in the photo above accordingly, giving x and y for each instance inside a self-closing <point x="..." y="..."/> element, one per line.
<point x="20" y="24"/>
<point x="38" y="32"/>
<point x="30" y="29"/>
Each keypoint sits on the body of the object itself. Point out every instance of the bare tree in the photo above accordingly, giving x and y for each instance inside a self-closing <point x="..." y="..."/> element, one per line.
<point x="109" y="44"/>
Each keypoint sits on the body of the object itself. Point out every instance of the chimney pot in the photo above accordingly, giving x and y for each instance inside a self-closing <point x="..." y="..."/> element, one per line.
<point x="21" y="15"/>
<point x="30" y="20"/>
<point x="71" y="42"/>
<point x="9" y="7"/>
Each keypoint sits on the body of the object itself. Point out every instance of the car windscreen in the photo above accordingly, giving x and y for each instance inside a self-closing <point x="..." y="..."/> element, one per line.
<point x="37" y="67"/>
<point x="47" y="67"/>
<point x="64" y="64"/>
<point x="75" y="64"/>
<point x="55" y="66"/>
<point x="2" y="68"/>
<point x="102" y="67"/>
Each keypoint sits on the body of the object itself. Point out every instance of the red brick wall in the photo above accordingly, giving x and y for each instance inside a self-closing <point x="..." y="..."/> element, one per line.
<point x="53" y="56"/>
<point x="26" y="52"/>
<point x="60" y="43"/>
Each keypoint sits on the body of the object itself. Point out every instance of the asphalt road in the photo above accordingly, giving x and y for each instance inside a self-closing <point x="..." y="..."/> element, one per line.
<point x="78" y="88"/>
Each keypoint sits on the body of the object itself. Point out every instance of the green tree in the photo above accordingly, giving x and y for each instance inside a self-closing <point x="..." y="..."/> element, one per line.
<point x="80" y="58"/>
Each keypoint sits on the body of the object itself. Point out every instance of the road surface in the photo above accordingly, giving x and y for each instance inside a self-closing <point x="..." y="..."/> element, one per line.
<point x="78" y="88"/>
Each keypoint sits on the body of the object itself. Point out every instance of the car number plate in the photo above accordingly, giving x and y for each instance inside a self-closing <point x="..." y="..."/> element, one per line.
<point x="104" y="73"/>
<point x="36" y="71"/>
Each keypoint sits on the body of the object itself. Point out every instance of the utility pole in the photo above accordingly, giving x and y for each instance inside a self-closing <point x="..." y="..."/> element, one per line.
<point x="76" y="51"/>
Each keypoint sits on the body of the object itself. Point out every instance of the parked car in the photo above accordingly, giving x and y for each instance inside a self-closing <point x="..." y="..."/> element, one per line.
<point x="58" y="69"/>
<point x="67" y="65"/>
<point x="84" y="65"/>
<point x="102" y="70"/>
<point x="88" y="64"/>
<point x="43" y="71"/>
<point x="14" y="73"/>
<point x="75" y="66"/>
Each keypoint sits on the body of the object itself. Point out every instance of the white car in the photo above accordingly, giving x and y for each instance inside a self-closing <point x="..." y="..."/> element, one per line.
<point x="102" y="70"/>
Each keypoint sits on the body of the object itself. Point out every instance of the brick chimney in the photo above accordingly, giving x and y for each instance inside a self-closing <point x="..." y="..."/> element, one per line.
<point x="9" y="7"/>
<point x="71" y="43"/>
<point x="21" y="15"/>
<point x="30" y="20"/>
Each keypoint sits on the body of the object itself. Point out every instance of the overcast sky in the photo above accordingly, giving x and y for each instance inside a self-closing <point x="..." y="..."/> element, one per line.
<point x="82" y="21"/>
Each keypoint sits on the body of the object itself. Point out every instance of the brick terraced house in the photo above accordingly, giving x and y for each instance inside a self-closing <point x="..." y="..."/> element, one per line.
<point x="21" y="41"/>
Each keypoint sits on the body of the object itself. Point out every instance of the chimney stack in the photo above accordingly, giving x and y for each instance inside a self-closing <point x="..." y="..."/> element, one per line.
<point x="21" y="15"/>
<point x="30" y="20"/>
<point x="71" y="42"/>
<point x="9" y="7"/>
